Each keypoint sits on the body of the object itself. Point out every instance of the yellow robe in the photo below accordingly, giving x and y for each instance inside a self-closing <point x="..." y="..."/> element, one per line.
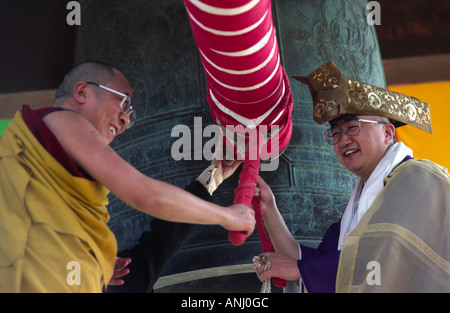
<point x="402" y="243"/>
<point x="54" y="236"/>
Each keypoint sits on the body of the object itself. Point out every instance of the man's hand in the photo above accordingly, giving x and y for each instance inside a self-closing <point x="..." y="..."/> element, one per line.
<point x="120" y="270"/>
<point x="226" y="167"/>
<point x="219" y="170"/>
<point x="240" y="218"/>
<point x="280" y="266"/>
<point x="267" y="199"/>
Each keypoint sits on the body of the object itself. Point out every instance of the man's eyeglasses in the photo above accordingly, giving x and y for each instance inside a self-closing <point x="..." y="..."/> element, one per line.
<point x="125" y="105"/>
<point x="350" y="128"/>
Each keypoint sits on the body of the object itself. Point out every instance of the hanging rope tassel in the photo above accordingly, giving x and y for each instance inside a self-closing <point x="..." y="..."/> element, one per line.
<point x="264" y="238"/>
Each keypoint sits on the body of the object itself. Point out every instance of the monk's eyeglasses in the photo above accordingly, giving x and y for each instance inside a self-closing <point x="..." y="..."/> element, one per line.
<point x="350" y="128"/>
<point x="125" y="105"/>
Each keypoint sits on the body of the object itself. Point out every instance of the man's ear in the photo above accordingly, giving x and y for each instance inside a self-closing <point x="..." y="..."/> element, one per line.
<point x="389" y="133"/>
<point x="80" y="92"/>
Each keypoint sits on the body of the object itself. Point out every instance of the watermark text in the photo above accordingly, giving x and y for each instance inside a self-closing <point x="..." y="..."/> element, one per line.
<point x="374" y="276"/>
<point x="374" y="16"/>
<point x="240" y="143"/>
<point x="74" y="16"/>
<point x="74" y="276"/>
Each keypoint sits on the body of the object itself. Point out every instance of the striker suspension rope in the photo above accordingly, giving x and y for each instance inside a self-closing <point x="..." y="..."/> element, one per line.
<point x="246" y="82"/>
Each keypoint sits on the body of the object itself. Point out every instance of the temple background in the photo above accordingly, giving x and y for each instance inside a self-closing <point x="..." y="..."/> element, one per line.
<point x="151" y="41"/>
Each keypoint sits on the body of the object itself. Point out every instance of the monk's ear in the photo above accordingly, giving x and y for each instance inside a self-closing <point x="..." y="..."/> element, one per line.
<point x="389" y="133"/>
<point x="80" y="92"/>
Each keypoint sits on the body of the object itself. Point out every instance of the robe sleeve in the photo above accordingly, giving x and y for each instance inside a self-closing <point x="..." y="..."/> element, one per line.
<point x="318" y="267"/>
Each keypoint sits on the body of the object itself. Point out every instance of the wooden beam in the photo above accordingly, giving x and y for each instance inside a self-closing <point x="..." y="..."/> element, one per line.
<point x="416" y="70"/>
<point x="11" y="102"/>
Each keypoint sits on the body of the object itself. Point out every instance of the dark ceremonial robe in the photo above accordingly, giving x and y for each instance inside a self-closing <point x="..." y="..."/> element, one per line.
<point x="318" y="267"/>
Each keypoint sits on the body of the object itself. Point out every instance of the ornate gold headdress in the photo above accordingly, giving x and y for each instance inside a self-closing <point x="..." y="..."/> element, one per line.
<point x="335" y="95"/>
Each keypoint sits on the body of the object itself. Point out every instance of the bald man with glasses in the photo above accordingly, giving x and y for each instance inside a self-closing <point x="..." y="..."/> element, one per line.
<point x="56" y="170"/>
<point x="394" y="234"/>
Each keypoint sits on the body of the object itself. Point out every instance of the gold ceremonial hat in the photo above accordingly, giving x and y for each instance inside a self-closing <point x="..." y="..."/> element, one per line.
<point x="335" y="95"/>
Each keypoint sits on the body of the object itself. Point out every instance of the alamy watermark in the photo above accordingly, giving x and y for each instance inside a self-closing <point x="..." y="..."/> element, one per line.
<point x="241" y="142"/>
<point x="374" y="276"/>
<point x="374" y="16"/>
<point x="74" y="16"/>
<point x="73" y="278"/>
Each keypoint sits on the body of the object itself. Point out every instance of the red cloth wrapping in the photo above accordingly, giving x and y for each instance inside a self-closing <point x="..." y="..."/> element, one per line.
<point x="237" y="45"/>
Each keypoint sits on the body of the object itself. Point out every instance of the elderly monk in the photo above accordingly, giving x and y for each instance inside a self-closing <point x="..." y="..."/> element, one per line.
<point x="394" y="235"/>
<point x="56" y="169"/>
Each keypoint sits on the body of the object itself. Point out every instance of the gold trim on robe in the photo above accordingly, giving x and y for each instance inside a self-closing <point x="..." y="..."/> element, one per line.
<point x="402" y="243"/>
